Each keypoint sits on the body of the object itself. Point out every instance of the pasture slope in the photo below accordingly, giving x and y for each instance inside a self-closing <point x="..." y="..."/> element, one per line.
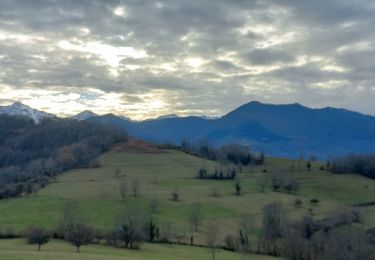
<point x="159" y="173"/>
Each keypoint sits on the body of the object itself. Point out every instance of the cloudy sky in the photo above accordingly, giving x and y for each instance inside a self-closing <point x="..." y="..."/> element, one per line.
<point x="143" y="58"/>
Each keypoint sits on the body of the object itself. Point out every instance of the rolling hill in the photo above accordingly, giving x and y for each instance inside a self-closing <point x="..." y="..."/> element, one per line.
<point x="159" y="172"/>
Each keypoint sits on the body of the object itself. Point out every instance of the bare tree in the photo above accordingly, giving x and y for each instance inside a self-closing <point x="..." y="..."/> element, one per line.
<point x="295" y="246"/>
<point x="212" y="234"/>
<point x="130" y="224"/>
<point x="37" y="235"/>
<point x="263" y="181"/>
<point x="337" y="245"/>
<point x="277" y="181"/>
<point x="246" y="227"/>
<point x="195" y="216"/>
<point x="124" y="189"/>
<point x="291" y="183"/>
<point x="79" y="234"/>
<point x="272" y="227"/>
<point x="175" y="194"/>
<point x="135" y="187"/>
<point x="165" y="231"/>
<point x="215" y="191"/>
<point x="287" y="182"/>
<point x="71" y="215"/>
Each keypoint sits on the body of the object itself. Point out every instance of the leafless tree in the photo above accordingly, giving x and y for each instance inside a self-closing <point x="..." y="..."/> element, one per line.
<point x="295" y="246"/>
<point x="212" y="234"/>
<point x="195" y="216"/>
<point x="291" y="183"/>
<point x="337" y="245"/>
<point x="175" y="194"/>
<point x="277" y="181"/>
<point x="37" y="235"/>
<point x="79" y="234"/>
<point x="246" y="227"/>
<point x="130" y="225"/>
<point x="165" y="231"/>
<point x="272" y="227"/>
<point x="215" y="191"/>
<point x="124" y="189"/>
<point x="263" y="181"/>
<point x="135" y="187"/>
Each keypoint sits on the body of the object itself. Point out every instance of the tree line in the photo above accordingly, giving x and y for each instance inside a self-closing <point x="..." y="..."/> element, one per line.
<point x="132" y="226"/>
<point x="279" y="181"/>
<point x="307" y="238"/>
<point x="355" y="163"/>
<point x="31" y="155"/>
<point x="229" y="153"/>
<point x="229" y="174"/>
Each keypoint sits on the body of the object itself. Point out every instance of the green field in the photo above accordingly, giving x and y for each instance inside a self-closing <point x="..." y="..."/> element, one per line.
<point x="97" y="193"/>
<point x="17" y="249"/>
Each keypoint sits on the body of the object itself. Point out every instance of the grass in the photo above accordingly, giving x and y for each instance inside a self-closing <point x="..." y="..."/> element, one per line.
<point x="17" y="249"/>
<point x="97" y="193"/>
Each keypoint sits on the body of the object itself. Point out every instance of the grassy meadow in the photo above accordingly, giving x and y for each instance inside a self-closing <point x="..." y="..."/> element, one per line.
<point x="159" y="172"/>
<point x="17" y="249"/>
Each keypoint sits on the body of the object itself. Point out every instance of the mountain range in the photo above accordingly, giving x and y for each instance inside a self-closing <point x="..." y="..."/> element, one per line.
<point x="289" y="130"/>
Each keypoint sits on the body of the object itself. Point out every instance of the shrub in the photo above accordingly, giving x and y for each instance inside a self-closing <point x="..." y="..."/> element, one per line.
<point x="298" y="203"/>
<point x="229" y="242"/>
<point x="314" y="201"/>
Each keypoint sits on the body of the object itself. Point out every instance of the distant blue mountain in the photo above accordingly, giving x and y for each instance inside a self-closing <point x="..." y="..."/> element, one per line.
<point x="279" y="130"/>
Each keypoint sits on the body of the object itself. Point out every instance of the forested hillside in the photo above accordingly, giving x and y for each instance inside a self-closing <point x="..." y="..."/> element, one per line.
<point x="32" y="154"/>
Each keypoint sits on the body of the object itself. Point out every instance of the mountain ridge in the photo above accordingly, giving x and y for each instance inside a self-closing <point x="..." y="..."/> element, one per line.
<point x="84" y="115"/>
<point x="19" y="109"/>
<point x="286" y="130"/>
<point x="290" y="130"/>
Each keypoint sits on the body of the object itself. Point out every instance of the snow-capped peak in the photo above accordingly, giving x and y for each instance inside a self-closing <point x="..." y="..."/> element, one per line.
<point x="84" y="115"/>
<point x="19" y="109"/>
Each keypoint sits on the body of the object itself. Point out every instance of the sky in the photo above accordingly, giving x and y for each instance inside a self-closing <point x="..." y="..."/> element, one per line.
<point x="144" y="58"/>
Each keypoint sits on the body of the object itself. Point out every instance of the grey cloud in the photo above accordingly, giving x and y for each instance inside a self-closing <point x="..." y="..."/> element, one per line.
<point x="226" y="34"/>
<point x="268" y="57"/>
<point x="224" y="66"/>
<point x="330" y="12"/>
<point x="309" y="73"/>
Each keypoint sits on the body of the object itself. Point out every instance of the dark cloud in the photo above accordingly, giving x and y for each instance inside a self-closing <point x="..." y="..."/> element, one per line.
<point x="196" y="56"/>
<point x="268" y="57"/>
<point x="224" y="66"/>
